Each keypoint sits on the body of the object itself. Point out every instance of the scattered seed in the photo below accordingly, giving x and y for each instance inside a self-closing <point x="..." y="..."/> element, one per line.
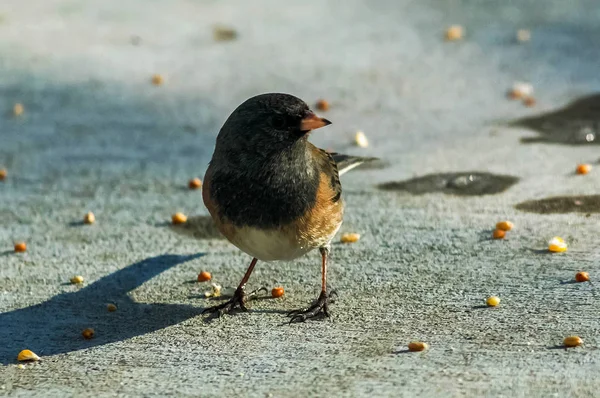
<point x="89" y="218"/>
<point x="573" y="341"/>
<point x="157" y="79"/>
<point x="350" y="238"/>
<point x="454" y="32"/>
<point x="20" y="247"/>
<point x="214" y="292"/>
<point x="505" y="225"/>
<point x="88" y="333"/>
<point x="277" y="292"/>
<point x="204" y="276"/>
<point x="322" y="105"/>
<point x="3" y="174"/>
<point x="179" y="218"/>
<point x="529" y="102"/>
<point x="27" y="355"/>
<point x="361" y="139"/>
<point x="492" y="301"/>
<point x="521" y="90"/>
<point x="523" y="35"/>
<point x="498" y="234"/>
<point x="557" y="245"/>
<point x="195" y="183"/>
<point x="582" y="276"/>
<point x="77" y="279"/>
<point x="21" y="366"/>
<point x="583" y="168"/>
<point x="223" y="33"/>
<point x="18" y="109"/>
<point x="111" y="307"/>
<point x="415" y="346"/>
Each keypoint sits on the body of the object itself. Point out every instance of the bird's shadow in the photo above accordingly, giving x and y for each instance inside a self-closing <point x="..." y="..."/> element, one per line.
<point x="54" y="326"/>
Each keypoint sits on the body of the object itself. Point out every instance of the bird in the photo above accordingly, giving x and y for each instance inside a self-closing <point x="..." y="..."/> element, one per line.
<point x="272" y="193"/>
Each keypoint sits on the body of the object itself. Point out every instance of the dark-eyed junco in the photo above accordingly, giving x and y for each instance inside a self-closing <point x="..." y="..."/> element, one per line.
<point x="272" y="193"/>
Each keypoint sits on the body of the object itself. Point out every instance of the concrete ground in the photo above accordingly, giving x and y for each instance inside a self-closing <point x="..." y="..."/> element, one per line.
<point x="97" y="136"/>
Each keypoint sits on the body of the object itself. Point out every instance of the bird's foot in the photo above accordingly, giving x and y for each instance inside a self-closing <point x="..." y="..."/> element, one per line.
<point x="238" y="300"/>
<point x="319" y="308"/>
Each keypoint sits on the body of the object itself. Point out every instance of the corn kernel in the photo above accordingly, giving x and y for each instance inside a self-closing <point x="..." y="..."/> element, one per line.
<point x="27" y="355"/>
<point x="204" y="276"/>
<point x="361" y="139"/>
<point x="521" y="90"/>
<point x="157" y="79"/>
<point x="350" y="238"/>
<point x="582" y="276"/>
<point x="215" y="291"/>
<point x="505" y="225"/>
<point x="583" y="168"/>
<point x="20" y="247"/>
<point x="21" y="366"/>
<point x="111" y="307"/>
<point x="179" y="218"/>
<point x="415" y="346"/>
<point x="88" y="333"/>
<point x="492" y="301"/>
<point x="322" y="105"/>
<point x="498" y="234"/>
<point x="277" y="292"/>
<point x="224" y="33"/>
<point x="18" y="109"/>
<point x="3" y="174"/>
<point x="194" y="183"/>
<point x="77" y="279"/>
<point x="89" y="218"/>
<point x="529" y="101"/>
<point x="454" y="32"/>
<point x="557" y="245"/>
<point x="573" y="341"/>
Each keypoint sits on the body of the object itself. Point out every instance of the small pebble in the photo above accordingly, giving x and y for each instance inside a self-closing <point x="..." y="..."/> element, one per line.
<point x="20" y="247"/>
<point x="361" y="139"/>
<point x="416" y="346"/>
<point x="179" y="218"/>
<point x="223" y="33"/>
<point x="195" y="183"/>
<point x="277" y="292"/>
<point x="582" y="276"/>
<point x="573" y="341"/>
<point x="492" y="301"/>
<point x="454" y="32"/>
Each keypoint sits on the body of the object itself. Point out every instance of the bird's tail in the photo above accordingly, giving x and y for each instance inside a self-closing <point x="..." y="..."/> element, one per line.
<point x="346" y="163"/>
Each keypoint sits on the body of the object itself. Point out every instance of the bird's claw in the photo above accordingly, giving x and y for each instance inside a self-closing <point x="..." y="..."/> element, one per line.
<point x="320" y="307"/>
<point x="239" y="299"/>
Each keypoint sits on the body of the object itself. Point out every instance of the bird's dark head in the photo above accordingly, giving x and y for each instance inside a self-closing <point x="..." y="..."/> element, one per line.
<point x="268" y="123"/>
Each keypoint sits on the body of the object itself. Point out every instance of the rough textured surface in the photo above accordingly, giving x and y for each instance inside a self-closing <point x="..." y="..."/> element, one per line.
<point x="96" y="135"/>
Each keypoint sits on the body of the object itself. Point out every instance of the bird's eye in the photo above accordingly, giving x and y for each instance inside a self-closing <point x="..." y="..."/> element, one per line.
<point x="278" y="122"/>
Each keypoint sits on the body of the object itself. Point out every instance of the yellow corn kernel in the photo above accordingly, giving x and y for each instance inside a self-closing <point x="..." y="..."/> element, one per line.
<point x="27" y="355"/>
<point x="573" y="341"/>
<point x="350" y="238"/>
<point x="417" y="346"/>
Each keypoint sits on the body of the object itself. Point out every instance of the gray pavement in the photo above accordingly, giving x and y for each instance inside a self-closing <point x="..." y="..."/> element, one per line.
<point x="97" y="136"/>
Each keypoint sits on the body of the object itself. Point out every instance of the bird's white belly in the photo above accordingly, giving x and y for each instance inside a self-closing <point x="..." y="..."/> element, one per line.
<point x="273" y="245"/>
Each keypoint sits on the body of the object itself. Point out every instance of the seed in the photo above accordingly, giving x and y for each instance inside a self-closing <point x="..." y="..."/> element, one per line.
<point x="492" y="301"/>
<point x="157" y="79"/>
<point x="179" y="218"/>
<point x="20" y="247"/>
<point x="195" y="183"/>
<point x="18" y="109"/>
<point x="322" y="105"/>
<point x="498" y="234"/>
<point x="350" y="238"/>
<point x="582" y="276"/>
<point x="277" y="292"/>
<point x="523" y="35"/>
<point x="454" y="32"/>
<point x="573" y="341"/>
<point x="521" y="90"/>
<point x="215" y="290"/>
<point x="505" y="225"/>
<point x="361" y="139"/>
<point x="557" y="245"/>
<point x="583" y="168"/>
<point x="77" y="279"/>
<point x="27" y="355"/>
<point x="204" y="276"/>
<point x="223" y="33"/>
<point x="89" y="218"/>
<point x="415" y="346"/>
<point x="111" y="307"/>
<point x="88" y="333"/>
<point x="3" y="174"/>
<point x="529" y="101"/>
<point x="21" y="366"/>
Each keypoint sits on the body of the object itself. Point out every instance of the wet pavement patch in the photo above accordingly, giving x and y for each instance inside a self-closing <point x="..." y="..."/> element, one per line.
<point x="562" y="204"/>
<point x="463" y="184"/>
<point x="578" y="123"/>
